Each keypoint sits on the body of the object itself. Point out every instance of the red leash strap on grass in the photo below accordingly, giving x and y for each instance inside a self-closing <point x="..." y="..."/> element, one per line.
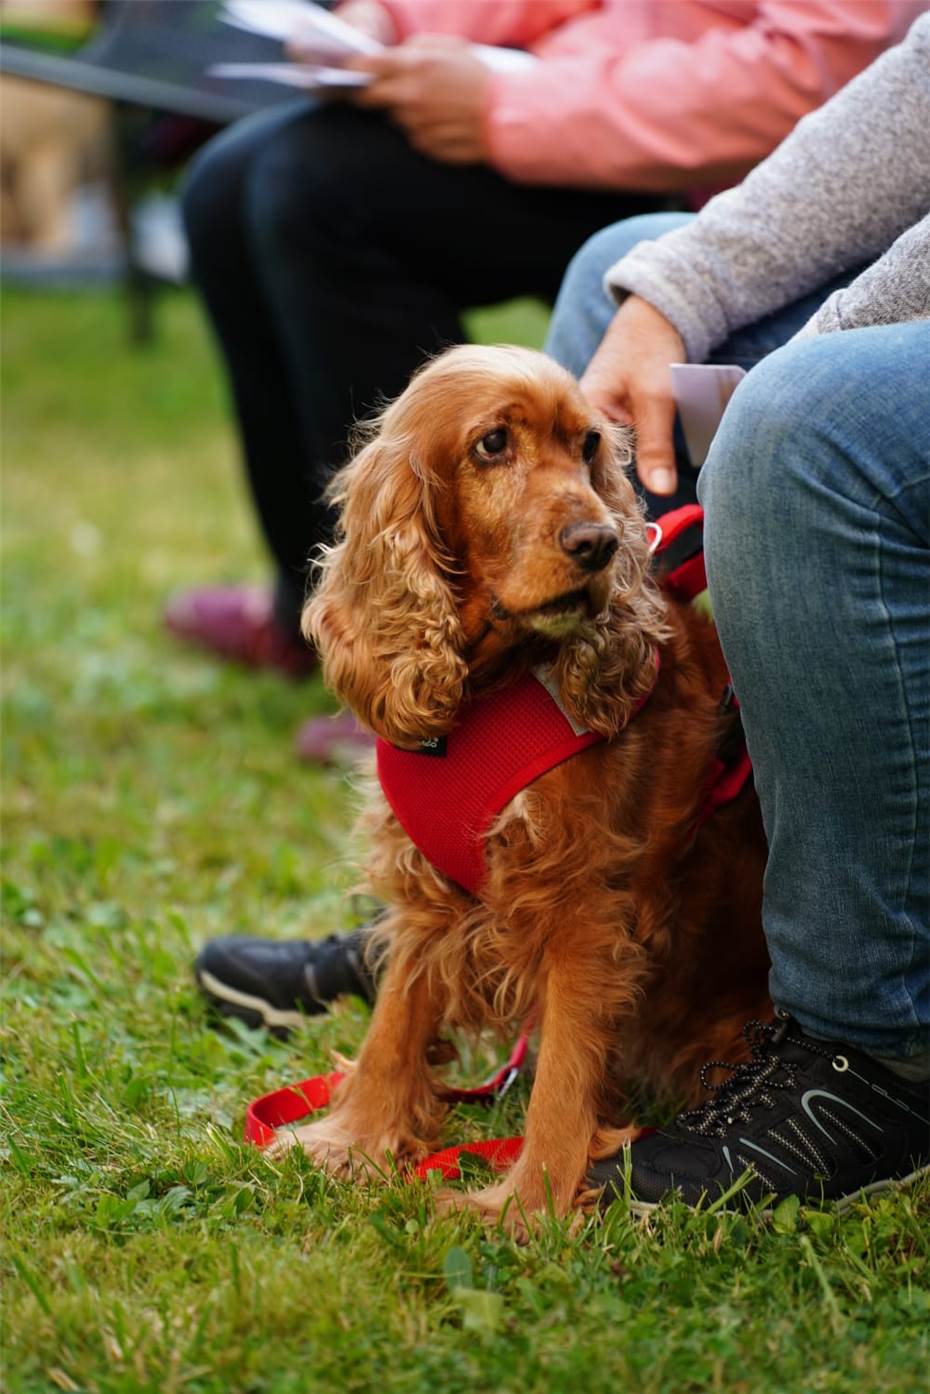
<point x="498" y="1084"/>
<point x="286" y="1105"/>
<point x="283" y="1106"/>
<point x="499" y="1151"/>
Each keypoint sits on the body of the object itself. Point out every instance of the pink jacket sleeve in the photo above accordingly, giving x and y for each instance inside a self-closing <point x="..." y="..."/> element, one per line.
<point x="669" y="113"/>
<point x="510" y="23"/>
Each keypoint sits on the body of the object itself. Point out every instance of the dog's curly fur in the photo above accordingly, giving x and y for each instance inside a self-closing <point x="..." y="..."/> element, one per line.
<point x="634" y="947"/>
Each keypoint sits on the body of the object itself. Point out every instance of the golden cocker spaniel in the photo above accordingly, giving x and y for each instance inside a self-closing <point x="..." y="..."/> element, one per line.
<point x="488" y="530"/>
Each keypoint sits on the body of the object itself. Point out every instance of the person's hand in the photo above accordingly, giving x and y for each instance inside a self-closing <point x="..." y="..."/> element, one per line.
<point x="373" y="19"/>
<point x="629" y="381"/>
<point x="366" y="15"/>
<point x="434" y="87"/>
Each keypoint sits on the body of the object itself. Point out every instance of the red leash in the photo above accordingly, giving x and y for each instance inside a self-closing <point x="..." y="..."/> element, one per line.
<point x="283" y="1106"/>
<point x="500" y="1152"/>
<point x="286" y="1105"/>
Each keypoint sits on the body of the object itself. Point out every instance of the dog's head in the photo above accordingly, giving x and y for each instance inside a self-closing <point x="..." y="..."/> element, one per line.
<point x="488" y="511"/>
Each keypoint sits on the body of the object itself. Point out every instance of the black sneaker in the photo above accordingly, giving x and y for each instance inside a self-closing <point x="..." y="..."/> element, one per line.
<point x="274" y="983"/>
<point x="816" y="1119"/>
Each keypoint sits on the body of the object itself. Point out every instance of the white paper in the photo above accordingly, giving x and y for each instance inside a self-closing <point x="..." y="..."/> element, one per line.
<point x="308" y="77"/>
<point x="302" y="22"/>
<point x="504" y="60"/>
<point x="702" y="391"/>
<point x="329" y="40"/>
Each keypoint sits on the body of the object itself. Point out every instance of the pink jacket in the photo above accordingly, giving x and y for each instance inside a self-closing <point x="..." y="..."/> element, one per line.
<point x="658" y="95"/>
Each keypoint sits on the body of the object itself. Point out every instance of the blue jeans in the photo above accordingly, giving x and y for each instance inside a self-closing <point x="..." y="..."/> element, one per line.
<point x="817" y="493"/>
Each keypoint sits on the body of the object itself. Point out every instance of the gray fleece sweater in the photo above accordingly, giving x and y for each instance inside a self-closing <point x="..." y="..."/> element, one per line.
<point x="849" y="186"/>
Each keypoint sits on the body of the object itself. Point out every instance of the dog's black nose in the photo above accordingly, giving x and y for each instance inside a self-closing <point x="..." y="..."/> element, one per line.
<point x="591" y="545"/>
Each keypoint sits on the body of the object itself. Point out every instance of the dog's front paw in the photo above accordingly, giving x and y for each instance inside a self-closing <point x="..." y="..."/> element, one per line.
<point x="512" y="1206"/>
<point x="495" y="1205"/>
<point x="329" y="1146"/>
<point x="347" y="1152"/>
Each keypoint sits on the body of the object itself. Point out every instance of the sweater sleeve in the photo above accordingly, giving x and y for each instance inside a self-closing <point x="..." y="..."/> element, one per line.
<point x="849" y="181"/>
<point x="671" y="112"/>
<point x="893" y="290"/>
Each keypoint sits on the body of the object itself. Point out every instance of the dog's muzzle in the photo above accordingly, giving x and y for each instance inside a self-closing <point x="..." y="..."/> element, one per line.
<point x="590" y="545"/>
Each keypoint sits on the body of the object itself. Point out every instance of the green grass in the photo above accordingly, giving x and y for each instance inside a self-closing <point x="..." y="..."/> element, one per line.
<point x="150" y="801"/>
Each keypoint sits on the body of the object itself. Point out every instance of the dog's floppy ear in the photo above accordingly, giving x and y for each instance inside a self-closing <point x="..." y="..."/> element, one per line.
<point x="610" y="469"/>
<point x="604" y="670"/>
<point x="383" y="617"/>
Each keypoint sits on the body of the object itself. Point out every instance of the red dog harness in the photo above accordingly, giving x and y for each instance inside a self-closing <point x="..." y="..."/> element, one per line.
<point x="447" y="794"/>
<point x="448" y="822"/>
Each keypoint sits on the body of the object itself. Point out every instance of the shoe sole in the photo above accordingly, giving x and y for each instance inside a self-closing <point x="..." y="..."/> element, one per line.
<point x="641" y="1208"/>
<point x="255" y="1011"/>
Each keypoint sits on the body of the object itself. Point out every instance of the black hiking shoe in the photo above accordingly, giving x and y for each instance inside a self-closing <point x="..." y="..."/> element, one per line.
<point x="816" y="1119"/>
<point x="274" y="983"/>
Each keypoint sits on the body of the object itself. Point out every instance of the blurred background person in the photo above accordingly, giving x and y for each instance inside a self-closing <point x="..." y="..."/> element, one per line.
<point x="335" y="247"/>
<point x="52" y="142"/>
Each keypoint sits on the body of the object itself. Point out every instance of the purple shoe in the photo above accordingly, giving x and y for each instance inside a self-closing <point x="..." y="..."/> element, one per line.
<point x="333" y="740"/>
<point x="237" y="623"/>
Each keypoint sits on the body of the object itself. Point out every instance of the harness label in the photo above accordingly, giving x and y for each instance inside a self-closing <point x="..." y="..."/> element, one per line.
<point x="433" y="745"/>
<point x="543" y="674"/>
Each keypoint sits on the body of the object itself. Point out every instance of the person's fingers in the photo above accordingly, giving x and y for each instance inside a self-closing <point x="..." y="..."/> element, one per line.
<point x="413" y="120"/>
<point x="654" y="423"/>
<point x="605" y="400"/>
<point x="362" y="97"/>
<point x="379" y="65"/>
<point x="447" y="143"/>
<point x="393" y="92"/>
<point x="394" y="62"/>
<point x="605" y="389"/>
<point x="385" y="64"/>
<point x="628" y="380"/>
<point x="424" y="142"/>
<point x="434" y="42"/>
<point x="373" y="97"/>
<point x="370" y="18"/>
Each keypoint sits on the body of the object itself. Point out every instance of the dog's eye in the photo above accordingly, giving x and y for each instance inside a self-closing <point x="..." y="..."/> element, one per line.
<point x="590" y="447"/>
<point x="493" y="444"/>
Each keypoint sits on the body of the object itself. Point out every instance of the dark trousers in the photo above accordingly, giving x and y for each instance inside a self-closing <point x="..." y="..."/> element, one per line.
<point x="332" y="259"/>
